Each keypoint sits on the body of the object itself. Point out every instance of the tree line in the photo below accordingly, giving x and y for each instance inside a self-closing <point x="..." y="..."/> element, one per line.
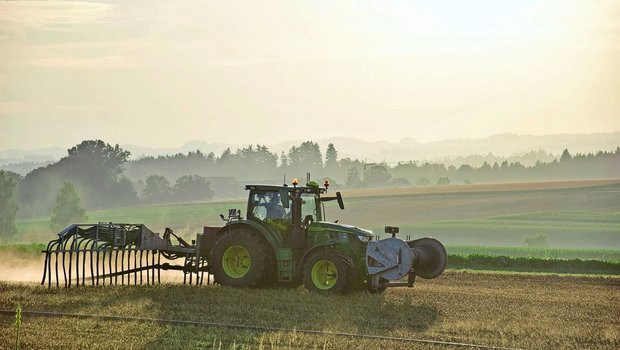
<point x="599" y="165"/>
<point x="103" y="176"/>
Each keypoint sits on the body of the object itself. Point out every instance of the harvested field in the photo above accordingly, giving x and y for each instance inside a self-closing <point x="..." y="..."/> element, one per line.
<point x="476" y="205"/>
<point x="510" y="310"/>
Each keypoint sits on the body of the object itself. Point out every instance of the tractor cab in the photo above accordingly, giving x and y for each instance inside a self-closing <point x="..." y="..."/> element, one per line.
<point x="298" y="214"/>
<point x="289" y="207"/>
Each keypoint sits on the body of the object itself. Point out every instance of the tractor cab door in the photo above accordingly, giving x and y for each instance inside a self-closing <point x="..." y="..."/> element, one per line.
<point x="310" y="209"/>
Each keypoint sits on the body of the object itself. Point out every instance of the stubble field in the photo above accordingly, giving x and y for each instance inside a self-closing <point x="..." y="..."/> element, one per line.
<point x="492" y="309"/>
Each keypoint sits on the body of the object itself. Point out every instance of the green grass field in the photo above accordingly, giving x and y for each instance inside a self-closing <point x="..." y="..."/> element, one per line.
<point x="586" y="217"/>
<point x="187" y="219"/>
<point x="532" y="265"/>
<point x="583" y="230"/>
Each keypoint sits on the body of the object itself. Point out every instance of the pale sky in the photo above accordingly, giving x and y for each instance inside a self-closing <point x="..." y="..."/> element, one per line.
<point x="160" y="73"/>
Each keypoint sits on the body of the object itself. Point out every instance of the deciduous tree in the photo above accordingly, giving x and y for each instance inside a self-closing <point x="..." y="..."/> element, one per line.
<point x="8" y="208"/>
<point x="192" y="187"/>
<point x="443" y="181"/>
<point x="353" y="178"/>
<point x="67" y="209"/>
<point x="376" y="176"/>
<point x="157" y="189"/>
<point x="307" y="155"/>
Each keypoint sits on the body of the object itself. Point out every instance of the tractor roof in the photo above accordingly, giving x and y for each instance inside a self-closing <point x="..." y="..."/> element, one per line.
<point x="269" y="188"/>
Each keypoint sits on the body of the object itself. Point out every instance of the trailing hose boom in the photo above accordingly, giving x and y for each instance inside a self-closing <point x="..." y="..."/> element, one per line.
<point x="113" y="253"/>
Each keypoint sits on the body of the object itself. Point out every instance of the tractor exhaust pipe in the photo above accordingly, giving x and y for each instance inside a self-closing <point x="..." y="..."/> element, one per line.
<point x="429" y="257"/>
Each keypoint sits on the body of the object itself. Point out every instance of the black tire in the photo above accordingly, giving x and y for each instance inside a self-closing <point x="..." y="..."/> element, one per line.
<point x="433" y="257"/>
<point x="378" y="290"/>
<point x="327" y="263"/>
<point x="262" y="262"/>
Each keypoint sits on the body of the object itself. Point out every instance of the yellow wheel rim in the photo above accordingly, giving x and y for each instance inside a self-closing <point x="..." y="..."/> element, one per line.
<point x="324" y="274"/>
<point x="236" y="261"/>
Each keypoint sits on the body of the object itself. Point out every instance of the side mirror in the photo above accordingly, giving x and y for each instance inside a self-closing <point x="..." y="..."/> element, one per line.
<point x="284" y="198"/>
<point x="339" y="199"/>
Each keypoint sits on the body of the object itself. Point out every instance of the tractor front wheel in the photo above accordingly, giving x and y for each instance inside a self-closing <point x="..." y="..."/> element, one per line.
<point x="241" y="259"/>
<point x="327" y="272"/>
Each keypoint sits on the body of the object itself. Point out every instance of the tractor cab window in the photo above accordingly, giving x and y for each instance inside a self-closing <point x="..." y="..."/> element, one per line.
<point x="267" y="205"/>
<point x="309" y="206"/>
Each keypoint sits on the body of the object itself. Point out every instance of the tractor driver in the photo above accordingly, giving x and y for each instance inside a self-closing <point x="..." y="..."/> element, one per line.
<point x="274" y="207"/>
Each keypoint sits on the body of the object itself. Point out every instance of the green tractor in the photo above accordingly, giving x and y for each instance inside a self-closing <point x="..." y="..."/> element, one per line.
<point x="285" y="240"/>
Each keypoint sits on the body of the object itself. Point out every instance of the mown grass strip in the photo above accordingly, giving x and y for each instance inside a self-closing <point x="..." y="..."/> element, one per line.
<point x="537" y="252"/>
<point x="525" y="264"/>
<point x="23" y="247"/>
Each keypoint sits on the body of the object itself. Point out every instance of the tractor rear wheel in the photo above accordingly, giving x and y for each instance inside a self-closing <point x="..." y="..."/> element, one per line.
<point x="327" y="272"/>
<point x="241" y="259"/>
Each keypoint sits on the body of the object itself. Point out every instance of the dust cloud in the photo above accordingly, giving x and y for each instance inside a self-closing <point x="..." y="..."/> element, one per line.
<point x="18" y="266"/>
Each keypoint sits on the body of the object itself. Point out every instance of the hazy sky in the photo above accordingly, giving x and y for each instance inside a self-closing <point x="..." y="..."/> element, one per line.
<point x="159" y="73"/>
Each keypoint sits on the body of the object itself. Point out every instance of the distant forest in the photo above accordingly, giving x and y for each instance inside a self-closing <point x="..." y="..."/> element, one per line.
<point x="104" y="176"/>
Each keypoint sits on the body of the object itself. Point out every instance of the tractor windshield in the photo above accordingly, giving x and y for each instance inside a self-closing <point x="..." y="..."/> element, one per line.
<point x="267" y="205"/>
<point x="310" y="206"/>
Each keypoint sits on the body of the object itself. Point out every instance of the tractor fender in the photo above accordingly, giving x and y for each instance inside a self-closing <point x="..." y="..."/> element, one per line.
<point x="252" y="226"/>
<point x="324" y="246"/>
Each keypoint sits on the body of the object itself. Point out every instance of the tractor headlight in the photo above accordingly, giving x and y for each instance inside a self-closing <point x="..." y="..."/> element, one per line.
<point x="364" y="238"/>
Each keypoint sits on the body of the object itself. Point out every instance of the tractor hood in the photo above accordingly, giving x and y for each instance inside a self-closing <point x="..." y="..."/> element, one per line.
<point x="330" y="226"/>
